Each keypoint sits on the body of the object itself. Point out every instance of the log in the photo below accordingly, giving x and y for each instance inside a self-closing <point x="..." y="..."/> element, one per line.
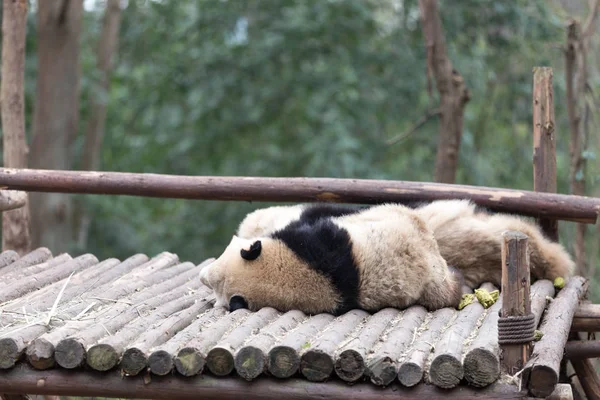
<point x="162" y="360"/>
<point x="191" y="359"/>
<point x="544" y="142"/>
<point x="582" y="349"/>
<point x="112" y="384"/>
<point x="12" y="199"/>
<point x="25" y="285"/>
<point x="446" y="369"/>
<point x="36" y="269"/>
<point x="382" y="366"/>
<point x="74" y="338"/>
<point x="351" y="357"/>
<point x="108" y="351"/>
<point x="540" y="292"/>
<point x="283" y="360"/>
<point x="412" y="363"/>
<point x="542" y="371"/>
<point x="220" y="359"/>
<point x="572" y="208"/>
<point x="251" y="358"/>
<point x="482" y="361"/>
<point x="135" y="358"/>
<point x="563" y="391"/>
<point x="588" y="377"/>
<point x="516" y="301"/>
<point x="587" y="318"/>
<point x="317" y="361"/>
<point x="129" y="283"/>
<point x="34" y="257"/>
<point x="7" y="257"/>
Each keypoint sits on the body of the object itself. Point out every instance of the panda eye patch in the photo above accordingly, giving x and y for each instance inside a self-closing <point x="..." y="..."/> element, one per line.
<point x="236" y="302"/>
<point x="253" y="252"/>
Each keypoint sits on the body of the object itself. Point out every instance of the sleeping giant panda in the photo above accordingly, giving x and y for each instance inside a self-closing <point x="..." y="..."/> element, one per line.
<point x="469" y="238"/>
<point x="332" y="259"/>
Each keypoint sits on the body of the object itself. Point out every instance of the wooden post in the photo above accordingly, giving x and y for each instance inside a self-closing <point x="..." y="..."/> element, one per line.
<point x="515" y="295"/>
<point x="544" y="145"/>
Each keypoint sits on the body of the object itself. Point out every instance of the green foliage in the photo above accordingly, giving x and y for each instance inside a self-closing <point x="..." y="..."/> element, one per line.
<point x="304" y="88"/>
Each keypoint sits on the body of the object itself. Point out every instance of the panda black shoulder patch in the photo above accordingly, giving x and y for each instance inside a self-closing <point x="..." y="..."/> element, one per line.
<point x="327" y="249"/>
<point x="314" y="212"/>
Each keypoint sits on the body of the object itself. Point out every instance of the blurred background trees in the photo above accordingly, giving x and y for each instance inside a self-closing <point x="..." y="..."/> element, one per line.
<point x="333" y="88"/>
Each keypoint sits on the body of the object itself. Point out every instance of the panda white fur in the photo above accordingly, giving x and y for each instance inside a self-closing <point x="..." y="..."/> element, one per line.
<point x="468" y="238"/>
<point x="323" y="258"/>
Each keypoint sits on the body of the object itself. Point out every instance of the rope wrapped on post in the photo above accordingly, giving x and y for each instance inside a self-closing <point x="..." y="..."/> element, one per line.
<point x="517" y="329"/>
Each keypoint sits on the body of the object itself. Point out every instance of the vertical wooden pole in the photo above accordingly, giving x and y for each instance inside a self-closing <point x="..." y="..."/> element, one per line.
<point x="544" y="145"/>
<point x="515" y="295"/>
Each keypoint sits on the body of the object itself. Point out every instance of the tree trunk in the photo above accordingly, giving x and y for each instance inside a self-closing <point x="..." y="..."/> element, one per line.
<point x="578" y="109"/>
<point x="90" y="160"/>
<point x="15" y="223"/>
<point x="56" y="115"/>
<point x="452" y="89"/>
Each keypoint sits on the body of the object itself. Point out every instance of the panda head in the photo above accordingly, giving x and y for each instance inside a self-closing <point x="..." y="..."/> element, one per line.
<point x="264" y="272"/>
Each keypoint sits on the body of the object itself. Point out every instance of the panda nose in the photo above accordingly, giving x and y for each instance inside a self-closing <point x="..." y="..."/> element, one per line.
<point x="236" y="302"/>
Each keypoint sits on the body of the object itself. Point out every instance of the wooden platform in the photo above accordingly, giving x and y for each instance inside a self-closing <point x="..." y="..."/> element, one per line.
<point x="152" y="317"/>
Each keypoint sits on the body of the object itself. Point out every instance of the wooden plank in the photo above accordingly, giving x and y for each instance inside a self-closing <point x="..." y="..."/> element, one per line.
<point x="544" y="142"/>
<point x="112" y="384"/>
<point x="515" y="295"/>
<point x="548" y="205"/>
<point x="542" y="371"/>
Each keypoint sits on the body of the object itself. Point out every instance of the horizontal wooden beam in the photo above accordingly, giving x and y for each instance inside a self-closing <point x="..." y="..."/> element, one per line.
<point x="23" y="379"/>
<point x="359" y="191"/>
<point x="582" y="349"/>
<point x="587" y="318"/>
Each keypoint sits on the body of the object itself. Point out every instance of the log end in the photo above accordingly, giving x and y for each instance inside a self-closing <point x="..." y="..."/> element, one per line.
<point x="189" y="361"/>
<point x="446" y="371"/>
<point x="69" y="353"/>
<point x="542" y="381"/>
<point x="9" y="353"/>
<point x="481" y="367"/>
<point x="102" y="357"/>
<point x="316" y="366"/>
<point x="249" y="362"/>
<point x="160" y="362"/>
<point x="220" y="361"/>
<point x="40" y="354"/>
<point x="133" y="361"/>
<point x="382" y="371"/>
<point x="350" y="365"/>
<point x="283" y="361"/>
<point x="410" y="374"/>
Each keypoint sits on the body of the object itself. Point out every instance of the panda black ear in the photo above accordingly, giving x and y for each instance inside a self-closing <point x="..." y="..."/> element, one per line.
<point x="253" y="252"/>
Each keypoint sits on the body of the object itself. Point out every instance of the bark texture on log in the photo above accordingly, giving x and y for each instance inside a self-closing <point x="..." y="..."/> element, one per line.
<point x="15" y="223"/>
<point x="351" y="357"/>
<point x="12" y="199"/>
<point x="112" y="384"/>
<point x="542" y="371"/>
<point x="412" y="364"/>
<point x="365" y="191"/>
<point x="55" y="115"/>
<point x="283" y="360"/>
<point x="544" y="142"/>
<point x="220" y="359"/>
<point x="516" y="300"/>
<point x="453" y="91"/>
<point x="317" y="361"/>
